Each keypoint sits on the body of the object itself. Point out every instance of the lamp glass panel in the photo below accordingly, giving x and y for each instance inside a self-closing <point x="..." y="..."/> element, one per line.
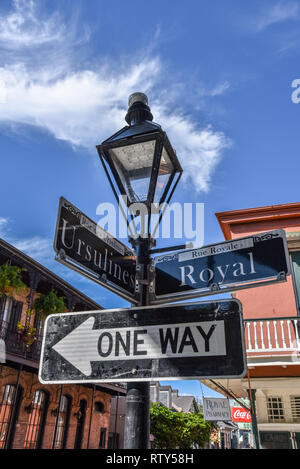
<point x="134" y="166"/>
<point x="165" y="171"/>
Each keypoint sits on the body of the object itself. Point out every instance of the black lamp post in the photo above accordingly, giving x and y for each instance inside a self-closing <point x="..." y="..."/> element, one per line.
<point x="140" y="158"/>
<point x="140" y="164"/>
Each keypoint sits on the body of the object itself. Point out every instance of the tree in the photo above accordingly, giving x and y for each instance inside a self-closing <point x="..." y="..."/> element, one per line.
<point x="178" y="429"/>
<point x="49" y="303"/>
<point x="10" y="279"/>
<point x="196" y="431"/>
<point x="165" y="427"/>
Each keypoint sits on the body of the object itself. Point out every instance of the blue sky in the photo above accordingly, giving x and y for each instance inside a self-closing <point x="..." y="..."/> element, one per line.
<point x="218" y="76"/>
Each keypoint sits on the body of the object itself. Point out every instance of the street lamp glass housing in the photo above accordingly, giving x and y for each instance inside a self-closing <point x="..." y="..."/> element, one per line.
<point x="140" y="157"/>
<point x="134" y="166"/>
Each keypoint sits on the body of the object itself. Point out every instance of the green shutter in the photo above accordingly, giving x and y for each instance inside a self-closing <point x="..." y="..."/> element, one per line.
<point x="15" y="314"/>
<point x="2" y="305"/>
<point x="296" y="267"/>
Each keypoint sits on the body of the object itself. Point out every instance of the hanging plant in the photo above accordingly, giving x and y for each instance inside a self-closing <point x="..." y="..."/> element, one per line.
<point x="28" y="334"/>
<point x="11" y="279"/>
<point x="49" y="303"/>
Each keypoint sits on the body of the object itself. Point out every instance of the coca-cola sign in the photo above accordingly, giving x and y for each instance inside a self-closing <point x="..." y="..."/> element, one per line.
<point x="239" y="414"/>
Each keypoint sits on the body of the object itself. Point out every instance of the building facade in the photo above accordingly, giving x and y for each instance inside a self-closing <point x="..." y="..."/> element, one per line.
<point x="166" y="395"/>
<point x="32" y="415"/>
<point x="242" y="418"/>
<point x="271" y="321"/>
<point x="171" y="399"/>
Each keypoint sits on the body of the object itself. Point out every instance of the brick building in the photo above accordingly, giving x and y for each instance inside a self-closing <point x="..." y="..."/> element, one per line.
<point x="33" y="415"/>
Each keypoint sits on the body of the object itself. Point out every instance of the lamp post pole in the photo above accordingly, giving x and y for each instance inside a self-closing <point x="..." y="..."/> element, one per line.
<point x="137" y="421"/>
<point x="251" y="393"/>
<point x="140" y="160"/>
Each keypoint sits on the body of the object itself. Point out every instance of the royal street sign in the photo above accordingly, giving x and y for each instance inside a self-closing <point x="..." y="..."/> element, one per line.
<point x="190" y="340"/>
<point x="85" y="247"/>
<point x="259" y="259"/>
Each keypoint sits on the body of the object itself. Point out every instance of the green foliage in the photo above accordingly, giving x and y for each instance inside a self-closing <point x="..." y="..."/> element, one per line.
<point x="49" y="303"/>
<point x="28" y="334"/>
<point x="196" y="431"/>
<point x="177" y="429"/>
<point x="10" y="279"/>
<point x="164" y="426"/>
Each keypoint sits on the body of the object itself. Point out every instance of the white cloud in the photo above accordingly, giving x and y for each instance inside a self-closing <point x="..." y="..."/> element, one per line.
<point x="77" y="107"/>
<point x="85" y="106"/>
<point x="3" y="226"/>
<point x="23" y="28"/>
<point x="277" y="13"/>
<point x="199" y="151"/>
<point x="220" y="88"/>
<point x="36" y="247"/>
<point x="41" y="250"/>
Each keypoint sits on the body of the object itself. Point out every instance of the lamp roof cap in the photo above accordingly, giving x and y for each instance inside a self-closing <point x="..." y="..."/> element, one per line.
<point x="137" y="97"/>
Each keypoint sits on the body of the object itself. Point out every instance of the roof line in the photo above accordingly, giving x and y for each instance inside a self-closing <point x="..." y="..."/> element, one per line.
<point x="46" y="271"/>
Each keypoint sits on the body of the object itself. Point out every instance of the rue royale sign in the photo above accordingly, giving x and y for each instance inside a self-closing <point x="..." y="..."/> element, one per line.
<point x="85" y="247"/>
<point x="144" y="343"/>
<point x="232" y="265"/>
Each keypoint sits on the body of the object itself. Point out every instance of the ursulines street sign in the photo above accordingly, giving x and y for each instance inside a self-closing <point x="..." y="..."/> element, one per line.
<point x="190" y="340"/>
<point x="240" y="263"/>
<point x="85" y="247"/>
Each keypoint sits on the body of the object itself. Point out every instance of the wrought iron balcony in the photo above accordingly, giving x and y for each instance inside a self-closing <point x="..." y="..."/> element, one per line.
<point x="17" y="346"/>
<point x="263" y="336"/>
<point x="267" y="335"/>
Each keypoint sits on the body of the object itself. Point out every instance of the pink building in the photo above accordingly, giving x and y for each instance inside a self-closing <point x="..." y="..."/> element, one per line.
<point x="272" y="330"/>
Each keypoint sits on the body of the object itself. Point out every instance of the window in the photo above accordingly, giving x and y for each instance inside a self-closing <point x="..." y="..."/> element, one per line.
<point x="37" y="410"/>
<point x="102" y="437"/>
<point x="295" y="256"/>
<point x="2" y="351"/>
<point x="275" y="440"/>
<point x="113" y="441"/>
<point x="7" y="307"/>
<point x="275" y="409"/>
<point x="295" y="406"/>
<point x="61" y="433"/>
<point x="6" y="407"/>
<point x="81" y="414"/>
<point x="99" y="407"/>
<point x="10" y="312"/>
<point x="38" y="324"/>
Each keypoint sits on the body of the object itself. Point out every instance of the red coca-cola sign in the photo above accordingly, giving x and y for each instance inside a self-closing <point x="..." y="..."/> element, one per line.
<point x="239" y="414"/>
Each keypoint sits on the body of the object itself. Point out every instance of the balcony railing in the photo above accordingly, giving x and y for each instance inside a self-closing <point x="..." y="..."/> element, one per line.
<point x="262" y="336"/>
<point x="272" y="335"/>
<point x="15" y="344"/>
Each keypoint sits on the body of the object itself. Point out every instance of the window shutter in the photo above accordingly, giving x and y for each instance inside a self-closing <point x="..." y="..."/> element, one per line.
<point x="2" y="305"/>
<point x="16" y="313"/>
<point x="296" y="267"/>
<point x="38" y="324"/>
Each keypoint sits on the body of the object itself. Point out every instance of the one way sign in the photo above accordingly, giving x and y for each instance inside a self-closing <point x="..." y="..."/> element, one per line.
<point x="144" y="343"/>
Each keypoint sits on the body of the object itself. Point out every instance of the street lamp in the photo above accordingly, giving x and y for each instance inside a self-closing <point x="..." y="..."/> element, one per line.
<point x="140" y="157"/>
<point x="142" y="166"/>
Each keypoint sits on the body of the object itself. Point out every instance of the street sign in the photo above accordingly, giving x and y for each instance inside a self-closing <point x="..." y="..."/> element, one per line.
<point x="241" y="263"/>
<point x="215" y="408"/>
<point x="85" y="247"/>
<point x="189" y="340"/>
